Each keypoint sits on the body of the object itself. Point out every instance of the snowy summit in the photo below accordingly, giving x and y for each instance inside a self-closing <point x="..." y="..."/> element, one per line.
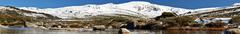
<point x="137" y="8"/>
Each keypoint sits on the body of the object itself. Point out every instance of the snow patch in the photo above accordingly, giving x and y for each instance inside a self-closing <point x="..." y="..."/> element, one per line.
<point x="34" y="15"/>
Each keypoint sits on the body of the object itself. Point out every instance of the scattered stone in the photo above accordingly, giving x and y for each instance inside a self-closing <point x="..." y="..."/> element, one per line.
<point x="110" y="27"/>
<point x="99" y="27"/>
<point x="116" y="25"/>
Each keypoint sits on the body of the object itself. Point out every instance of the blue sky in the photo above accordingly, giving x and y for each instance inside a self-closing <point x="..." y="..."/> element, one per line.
<point x="189" y="4"/>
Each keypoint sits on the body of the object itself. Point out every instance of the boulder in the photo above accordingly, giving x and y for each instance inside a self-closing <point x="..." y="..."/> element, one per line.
<point x="99" y="27"/>
<point x="123" y="31"/>
<point x="232" y="31"/>
<point x="216" y="24"/>
<point x="131" y="25"/>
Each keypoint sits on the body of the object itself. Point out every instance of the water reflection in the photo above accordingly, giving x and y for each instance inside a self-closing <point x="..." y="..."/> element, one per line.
<point x="37" y="31"/>
<point x="8" y="31"/>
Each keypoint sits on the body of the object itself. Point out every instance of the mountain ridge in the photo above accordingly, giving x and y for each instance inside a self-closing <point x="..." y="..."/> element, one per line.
<point x="135" y="8"/>
<point x="140" y="8"/>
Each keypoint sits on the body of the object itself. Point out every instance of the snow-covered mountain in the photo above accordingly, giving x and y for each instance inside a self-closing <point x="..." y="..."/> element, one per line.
<point x="137" y="8"/>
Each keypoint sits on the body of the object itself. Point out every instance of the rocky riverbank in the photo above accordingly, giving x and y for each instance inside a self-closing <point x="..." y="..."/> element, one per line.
<point x="233" y="31"/>
<point x="167" y="20"/>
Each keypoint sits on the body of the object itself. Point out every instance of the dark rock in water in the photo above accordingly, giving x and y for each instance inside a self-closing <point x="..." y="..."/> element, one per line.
<point x="130" y="25"/>
<point x="99" y="27"/>
<point x="229" y="32"/>
<point x="54" y="26"/>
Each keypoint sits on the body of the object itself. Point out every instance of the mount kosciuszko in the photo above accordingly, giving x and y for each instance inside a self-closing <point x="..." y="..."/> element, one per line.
<point x="135" y="8"/>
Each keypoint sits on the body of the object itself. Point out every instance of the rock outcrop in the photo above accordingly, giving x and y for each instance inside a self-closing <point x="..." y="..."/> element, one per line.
<point x="232" y="31"/>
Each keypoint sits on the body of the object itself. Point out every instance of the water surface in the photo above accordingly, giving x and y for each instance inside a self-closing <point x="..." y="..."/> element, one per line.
<point x="39" y="31"/>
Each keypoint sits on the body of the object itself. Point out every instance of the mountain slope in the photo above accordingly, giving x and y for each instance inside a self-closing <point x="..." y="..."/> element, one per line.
<point x="9" y="12"/>
<point x="136" y="8"/>
<point x="228" y="11"/>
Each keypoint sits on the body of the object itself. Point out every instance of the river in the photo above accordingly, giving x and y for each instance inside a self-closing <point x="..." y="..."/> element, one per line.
<point x="39" y="31"/>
